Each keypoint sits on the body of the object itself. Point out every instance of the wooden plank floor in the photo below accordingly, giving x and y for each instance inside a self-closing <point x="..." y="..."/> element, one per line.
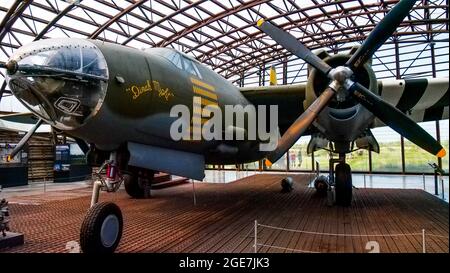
<point x="224" y="217"/>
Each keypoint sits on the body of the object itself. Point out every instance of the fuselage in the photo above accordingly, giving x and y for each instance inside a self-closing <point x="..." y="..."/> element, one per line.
<point x="134" y="97"/>
<point x="110" y="95"/>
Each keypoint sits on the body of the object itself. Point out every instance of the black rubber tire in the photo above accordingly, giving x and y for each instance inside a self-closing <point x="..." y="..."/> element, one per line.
<point x="321" y="185"/>
<point x="132" y="186"/>
<point x="343" y="185"/>
<point x="90" y="238"/>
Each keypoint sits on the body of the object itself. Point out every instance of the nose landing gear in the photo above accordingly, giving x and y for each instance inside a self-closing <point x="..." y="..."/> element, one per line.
<point x="102" y="226"/>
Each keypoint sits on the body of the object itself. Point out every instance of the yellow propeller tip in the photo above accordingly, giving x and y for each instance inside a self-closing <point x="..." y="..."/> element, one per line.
<point x="441" y="153"/>
<point x="8" y="158"/>
<point x="268" y="163"/>
<point x="260" y="22"/>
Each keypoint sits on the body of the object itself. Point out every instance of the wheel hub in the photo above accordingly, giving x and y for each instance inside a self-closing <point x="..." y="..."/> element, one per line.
<point x="110" y="230"/>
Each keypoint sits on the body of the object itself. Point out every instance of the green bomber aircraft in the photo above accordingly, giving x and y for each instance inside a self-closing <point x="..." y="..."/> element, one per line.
<point x="116" y="102"/>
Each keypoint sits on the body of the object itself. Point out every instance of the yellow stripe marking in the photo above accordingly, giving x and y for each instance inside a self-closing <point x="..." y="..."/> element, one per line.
<point x="205" y="93"/>
<point x="203" y="121"/>
<point x="206" y="102"/>
<point x="202" y="84"/>
<point x="198" y="110"/>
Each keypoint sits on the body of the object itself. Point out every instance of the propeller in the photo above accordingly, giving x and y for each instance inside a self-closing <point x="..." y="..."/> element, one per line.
<point x="341" y="79"/>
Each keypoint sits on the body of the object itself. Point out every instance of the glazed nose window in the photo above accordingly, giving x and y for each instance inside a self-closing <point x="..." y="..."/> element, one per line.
<point x="63" y="81"/>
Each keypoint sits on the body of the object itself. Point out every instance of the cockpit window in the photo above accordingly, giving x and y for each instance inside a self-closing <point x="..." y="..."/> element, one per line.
<point x="191" y="68"/>
<point x="179" y="60"/>
<point x="175" y="58"/>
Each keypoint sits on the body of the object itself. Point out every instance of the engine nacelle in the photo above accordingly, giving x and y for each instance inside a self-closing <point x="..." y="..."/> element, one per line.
<point x="344" y="120"/>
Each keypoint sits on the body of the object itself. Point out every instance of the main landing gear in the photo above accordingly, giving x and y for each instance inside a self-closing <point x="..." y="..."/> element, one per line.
<point x="102" y="227"/>
<point x="341" y="179"/>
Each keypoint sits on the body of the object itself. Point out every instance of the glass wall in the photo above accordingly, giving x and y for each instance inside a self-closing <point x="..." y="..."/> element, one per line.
<point x="281" y="164"/>
<point x="443" y="126"/>
<point x="417" y="159"/>
<point x="299" y="159"/>
<point x="251" y="166"/>
<point x="390" y="157"/>
<point x="359" y="160"/>
<point x="389" y="160"/>
<point x="323" y="158"/>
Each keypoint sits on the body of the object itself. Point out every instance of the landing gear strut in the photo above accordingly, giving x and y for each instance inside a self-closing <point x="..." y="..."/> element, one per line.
<point x="102" y="226"/>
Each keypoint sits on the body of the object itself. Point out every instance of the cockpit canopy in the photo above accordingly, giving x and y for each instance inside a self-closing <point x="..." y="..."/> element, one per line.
<point x="180" y="60"/>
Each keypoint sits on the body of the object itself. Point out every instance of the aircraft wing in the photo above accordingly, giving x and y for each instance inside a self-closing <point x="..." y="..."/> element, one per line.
<point x="421" y="99"/>
<point x="289" y="99"/>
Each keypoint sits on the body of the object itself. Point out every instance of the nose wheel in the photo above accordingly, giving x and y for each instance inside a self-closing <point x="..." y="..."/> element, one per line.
<point x="101" y="229"/>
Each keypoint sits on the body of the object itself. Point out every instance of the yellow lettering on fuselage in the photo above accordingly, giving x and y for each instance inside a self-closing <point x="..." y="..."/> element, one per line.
<point x="138" y="90"/>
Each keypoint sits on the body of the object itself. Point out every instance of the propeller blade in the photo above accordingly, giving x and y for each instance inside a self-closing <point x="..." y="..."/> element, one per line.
<point x="300" y="125"/>
<point x="3" y="87"/>
<point x="379" y="35"/>
<point x="24" y="140"/>
<point x="395" y="119"/>
<point x="294" y="46"/>
<point x="2" y="90"/>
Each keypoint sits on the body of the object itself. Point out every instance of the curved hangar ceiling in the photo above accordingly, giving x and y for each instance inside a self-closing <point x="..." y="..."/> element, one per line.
<point x="221" y="34"/>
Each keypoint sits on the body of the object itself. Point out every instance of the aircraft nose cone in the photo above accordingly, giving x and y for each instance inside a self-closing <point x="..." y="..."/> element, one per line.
<point x="11" y="67"/>
<point x="63" y="81"/>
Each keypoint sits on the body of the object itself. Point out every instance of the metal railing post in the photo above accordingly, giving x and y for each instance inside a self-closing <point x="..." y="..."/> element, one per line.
<point x="442" y="188"/>
<point x="256" y="236"/>
<point x="365" y="181"/>
<point x="436" y="187"/>
<point x="424" y="249"/>
<point x="424" y="185"/>
<point x="193" y="191"/>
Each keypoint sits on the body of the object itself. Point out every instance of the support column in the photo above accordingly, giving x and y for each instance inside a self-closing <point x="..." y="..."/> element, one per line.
<point x="438" y="138"/>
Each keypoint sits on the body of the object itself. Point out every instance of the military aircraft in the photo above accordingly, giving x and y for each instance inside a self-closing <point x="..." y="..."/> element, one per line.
<point x="116" y="102"/>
